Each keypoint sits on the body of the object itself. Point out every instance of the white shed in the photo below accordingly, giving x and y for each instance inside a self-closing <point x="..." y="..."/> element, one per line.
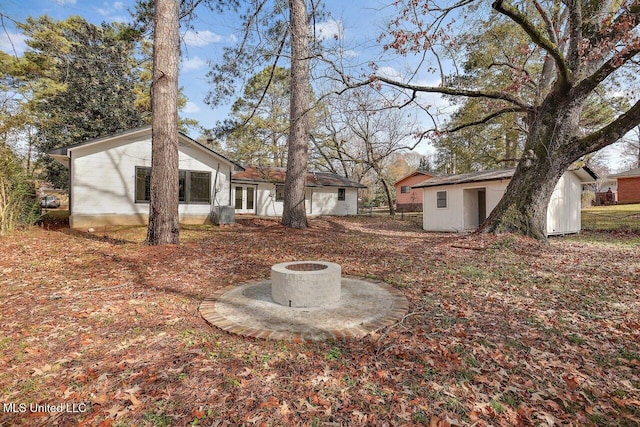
<point x="260" y="191"/>
<point x="455" y="203"/>
<point x="109" y="179"/>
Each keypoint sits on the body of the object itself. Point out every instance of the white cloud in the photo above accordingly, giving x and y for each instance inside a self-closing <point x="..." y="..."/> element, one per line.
<point x="63" y="2"/>
<point x="194" y="63"/>
<point x="330" y="29"/>
<point x="348" y="53"/>
<point x="191" y="108"/>
<point x="111" y="11"/>
<point x="390" y="73"/>
<point x="13" y="43"/>
<point x="201" y="38"/>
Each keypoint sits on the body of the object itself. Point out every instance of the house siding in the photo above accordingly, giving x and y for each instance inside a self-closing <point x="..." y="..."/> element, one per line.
<point x="325" y="201"/>
<point x="103" y="182"/>
<point x="563" y="211"/>
<point x="629" y="190"/>
<point x="461" y="213"/>
<point x="454" y="218"/>
<point x="318" y="201"/>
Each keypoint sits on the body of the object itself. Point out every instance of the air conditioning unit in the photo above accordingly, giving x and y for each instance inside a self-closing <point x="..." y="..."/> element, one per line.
<point x="224" y="215"/>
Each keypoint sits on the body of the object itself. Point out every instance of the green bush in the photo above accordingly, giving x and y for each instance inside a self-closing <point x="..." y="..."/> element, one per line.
<point x="18" y="204"/>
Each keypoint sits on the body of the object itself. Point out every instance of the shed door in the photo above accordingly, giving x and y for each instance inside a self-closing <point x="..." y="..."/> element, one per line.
<point x="482" y="206"/>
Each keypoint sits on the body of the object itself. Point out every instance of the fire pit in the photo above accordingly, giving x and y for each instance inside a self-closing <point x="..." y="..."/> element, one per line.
<point x="306" y="283"/>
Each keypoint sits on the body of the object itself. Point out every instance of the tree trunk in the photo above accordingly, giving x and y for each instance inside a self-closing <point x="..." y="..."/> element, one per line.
<point x="294" y="212"/>
<point x="163" y="204"/>
<point x="511" y="144"/>
<point x="547" y="155"/>
<point x="387" y="191"/>
<point x="638" y="148"/>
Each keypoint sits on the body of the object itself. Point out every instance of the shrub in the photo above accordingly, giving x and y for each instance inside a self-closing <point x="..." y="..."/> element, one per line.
<point x="18" y="204"/>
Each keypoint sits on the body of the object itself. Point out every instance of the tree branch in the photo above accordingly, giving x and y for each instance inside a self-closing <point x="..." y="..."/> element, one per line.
<point x="537" y="37"/>
<point x="268" y="85"/>
<point x="575" y="34"/>
<point x="551" y="30"/>
<point x="617" y="28"/>
<point x="590" y="83"/>
<point x="487" y="118"/>
<point x="610" y="133"/>
<point x="447" y="91"/>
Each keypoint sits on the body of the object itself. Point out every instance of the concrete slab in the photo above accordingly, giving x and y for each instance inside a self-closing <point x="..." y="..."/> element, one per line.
<point x="249" y="310"/>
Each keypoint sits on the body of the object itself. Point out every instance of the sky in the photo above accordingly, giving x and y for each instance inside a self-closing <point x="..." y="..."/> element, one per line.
<point x="203" y="44"/>
<point x="357" y="23"/>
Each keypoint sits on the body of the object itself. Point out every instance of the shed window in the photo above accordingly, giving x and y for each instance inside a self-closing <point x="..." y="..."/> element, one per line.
<point x="279" y="193"/>
<point x="342" y="194"/>
<point x="193" y="186"/>
<point x="405" y="189"/>
<point x="441" y="199"/>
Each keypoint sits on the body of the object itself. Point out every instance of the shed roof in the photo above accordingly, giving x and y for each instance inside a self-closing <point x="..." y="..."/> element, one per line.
<point x="276" y="175"/>
<point x="490" y="175"/>
<point x="584" y="173"/>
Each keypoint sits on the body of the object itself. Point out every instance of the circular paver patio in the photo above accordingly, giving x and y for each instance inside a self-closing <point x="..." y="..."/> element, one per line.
<point x="248" y="310"/>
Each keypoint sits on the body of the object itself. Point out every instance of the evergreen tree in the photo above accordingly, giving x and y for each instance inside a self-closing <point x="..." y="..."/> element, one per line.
<point x="78" y="80"/>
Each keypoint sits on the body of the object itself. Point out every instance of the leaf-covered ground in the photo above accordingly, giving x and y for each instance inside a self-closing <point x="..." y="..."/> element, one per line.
<point x="501" y="330"/>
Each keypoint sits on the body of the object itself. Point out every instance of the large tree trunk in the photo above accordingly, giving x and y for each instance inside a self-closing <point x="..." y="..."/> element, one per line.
<point x="387" y="191"/>
<point x="294" y="212"/>
<point x="163" y="205"/>
<point x="547" y="155"/>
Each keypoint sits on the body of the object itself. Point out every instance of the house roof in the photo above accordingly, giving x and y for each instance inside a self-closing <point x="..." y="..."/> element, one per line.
<point x="275" y="175"/>
<point x="62" y="154"/>
<point x="633" y="173"/>
<point x="412" y="174"/>
<point x="584" y="173"/>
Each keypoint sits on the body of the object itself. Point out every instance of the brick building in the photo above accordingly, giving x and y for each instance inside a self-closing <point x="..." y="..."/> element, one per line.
<point x="407" y="198"/>
<point x="628" y="186"/>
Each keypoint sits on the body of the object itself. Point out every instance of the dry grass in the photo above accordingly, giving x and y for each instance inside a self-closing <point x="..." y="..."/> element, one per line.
<point x="502" y="330"/>
<point x="612" y="218"/>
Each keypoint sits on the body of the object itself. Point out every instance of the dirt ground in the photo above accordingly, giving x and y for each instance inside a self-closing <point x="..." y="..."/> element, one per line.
<point x="99" y="329"/>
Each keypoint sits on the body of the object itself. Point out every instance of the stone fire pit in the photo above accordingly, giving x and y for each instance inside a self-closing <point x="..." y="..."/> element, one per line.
<point x="306" y="283"/>
<point x="305" y="301"/>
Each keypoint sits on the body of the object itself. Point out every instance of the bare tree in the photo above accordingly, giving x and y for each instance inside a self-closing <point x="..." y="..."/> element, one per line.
<point x="584" y="47"/>
<point x="631" y="147"/>
<point x="164" y="227"/>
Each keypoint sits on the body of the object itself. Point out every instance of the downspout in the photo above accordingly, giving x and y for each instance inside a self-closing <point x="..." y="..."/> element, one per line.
<point x="215" y="186"/>
<point x="273" y="199"/>
<point x="70" y="189"/>
<point x="230" y="186"/>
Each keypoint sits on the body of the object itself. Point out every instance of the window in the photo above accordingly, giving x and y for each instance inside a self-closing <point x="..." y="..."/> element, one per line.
<point x="342" y="194"/>
<point x="182" y="186"/>
<point x="199" y="185"/>
<point x="405" y="189"/>
<point x="193" y="187"/>
<point x="441" y="198"/>
<point x="279" y="193"/>
<point x="143" y="184"/>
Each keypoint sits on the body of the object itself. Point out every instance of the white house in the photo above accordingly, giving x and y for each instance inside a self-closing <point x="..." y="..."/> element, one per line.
<point x="260" y="191"/>
<point x="109" y="179"/>
<point x="462" y="202"/>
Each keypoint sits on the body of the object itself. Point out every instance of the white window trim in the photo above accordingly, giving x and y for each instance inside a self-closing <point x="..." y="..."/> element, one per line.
<point x="446" y="199"/>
